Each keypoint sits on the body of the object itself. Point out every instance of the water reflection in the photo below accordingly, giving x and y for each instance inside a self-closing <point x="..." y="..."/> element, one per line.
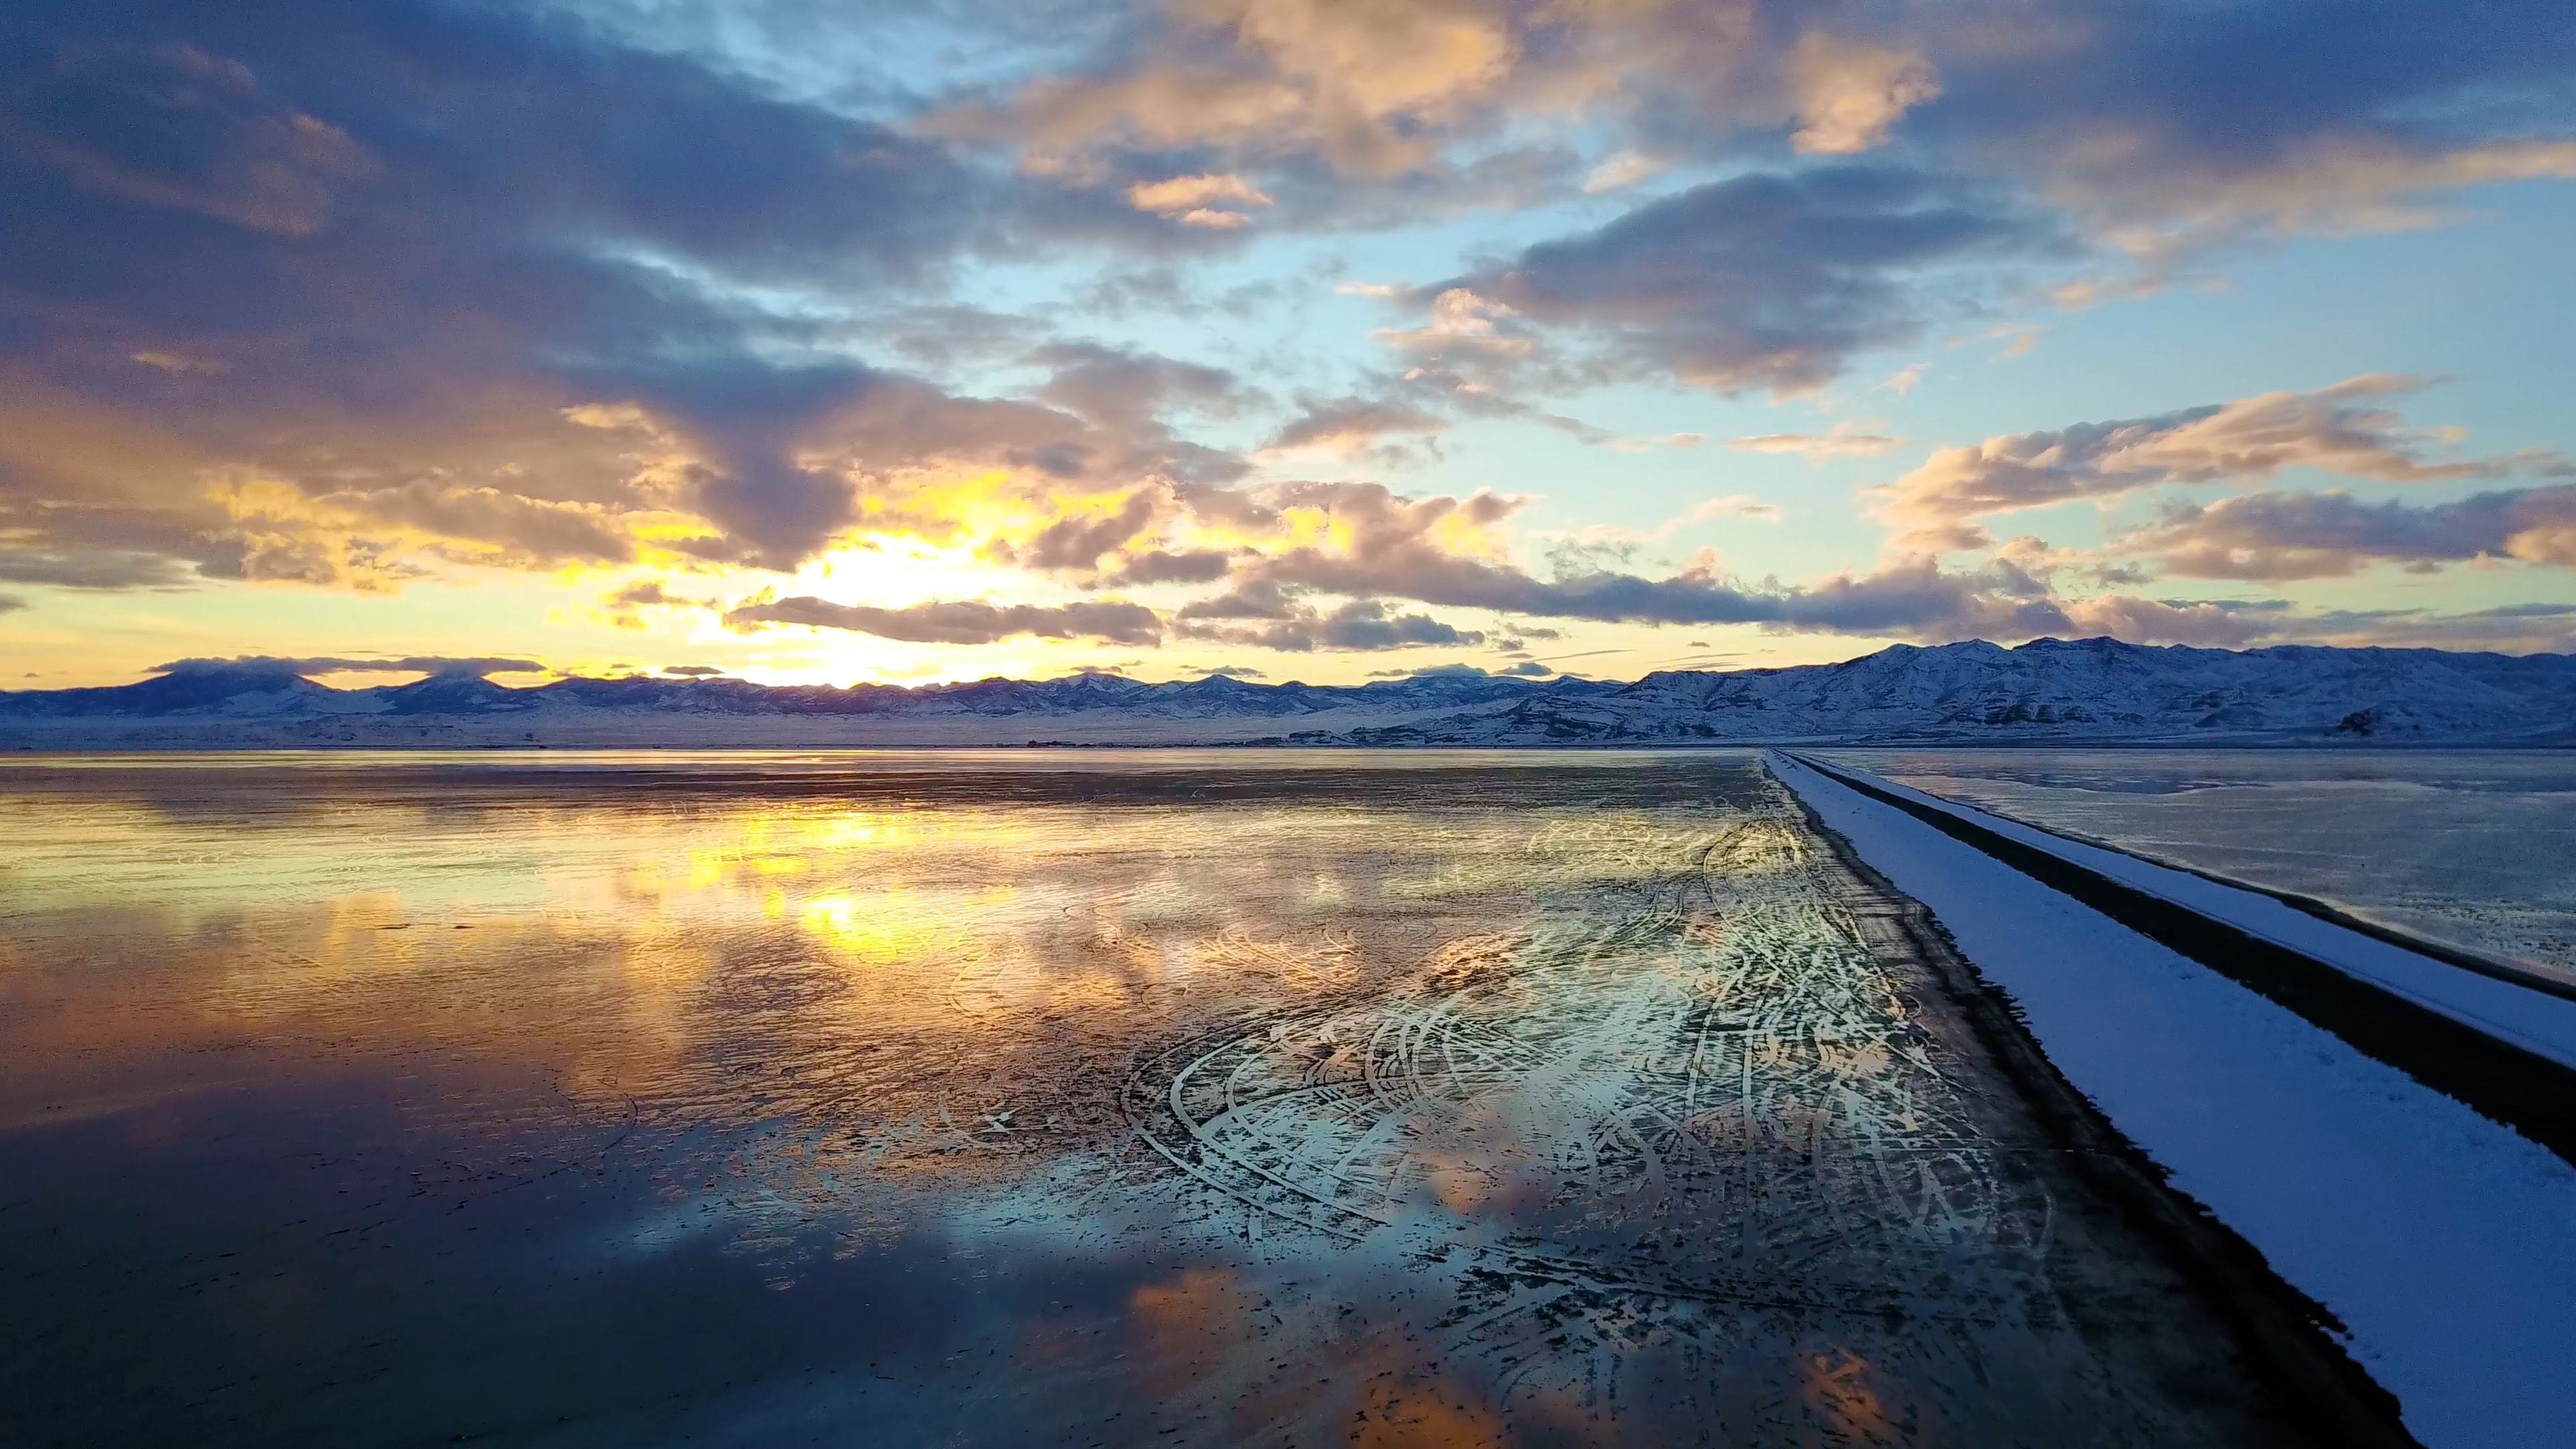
<point x="1007" y="1099"/>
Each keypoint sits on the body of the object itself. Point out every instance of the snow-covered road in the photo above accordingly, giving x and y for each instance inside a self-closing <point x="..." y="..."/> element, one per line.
<point x="2444" y="1241"/>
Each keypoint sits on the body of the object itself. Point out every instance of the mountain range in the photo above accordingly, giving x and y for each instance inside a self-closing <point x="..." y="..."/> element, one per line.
<point x="2046" y="690"/>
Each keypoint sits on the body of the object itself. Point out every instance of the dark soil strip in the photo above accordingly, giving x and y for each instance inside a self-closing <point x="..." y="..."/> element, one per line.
<point x="2524" y="1090"/>
<point x="2282" y="1333"/>
<point x="2449" y="955"/>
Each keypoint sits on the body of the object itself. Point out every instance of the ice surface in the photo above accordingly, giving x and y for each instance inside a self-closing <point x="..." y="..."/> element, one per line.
<point x="1018" y="1097"/>
<point x="2472" y="848"/>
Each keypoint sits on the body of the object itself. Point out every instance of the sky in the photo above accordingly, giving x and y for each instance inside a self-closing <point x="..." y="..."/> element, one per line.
<point x="1300" y="339"/>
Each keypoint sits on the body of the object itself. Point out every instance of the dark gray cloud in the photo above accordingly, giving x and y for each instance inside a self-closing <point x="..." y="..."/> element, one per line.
<point x="1130" y="398"/>
<point x="81" y="568"/>
<point x="2510" y="628"/>
<point x="1168" y="566"/>
<point x="693" y="671"/>
<point x="2279" y="537"/>
<point x="642" y="594"/>
<point x="11" y="603"/>
<point x="378" y="251"/>
<point x="536" y="531"/>
<point x="1390" y="547"/>
<point x="2215" y="121"/>
<point x="1762" y="281"/>
<point x="1912" y="598"/>
<point x="2345" y="429"/>
<point x="1126" y="389"/>
<point x="1352" y="424"/>
<point x="1256" y="599"/>
<point x="1359" y="625"/>
<point x="624" y="606"/>
<point x="2165" y="119"/>
<point x="1078" y="543"/>
<point x="962" y="622"/>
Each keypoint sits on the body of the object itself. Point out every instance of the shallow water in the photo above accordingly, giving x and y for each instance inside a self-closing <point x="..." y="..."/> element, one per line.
<point x="2471" y="848"/>
<point x="1020" y="1097"/>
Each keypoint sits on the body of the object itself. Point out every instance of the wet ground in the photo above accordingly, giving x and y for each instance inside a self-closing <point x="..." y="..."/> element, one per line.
<point x="1017" y="1098"/>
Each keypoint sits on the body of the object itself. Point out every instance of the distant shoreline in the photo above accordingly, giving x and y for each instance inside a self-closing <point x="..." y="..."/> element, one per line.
<point x="23" y="750"/>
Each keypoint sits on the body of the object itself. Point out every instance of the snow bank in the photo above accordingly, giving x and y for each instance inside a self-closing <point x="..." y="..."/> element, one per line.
<point x="2528" y="1016"/>
<point x="2445" y="1243"/>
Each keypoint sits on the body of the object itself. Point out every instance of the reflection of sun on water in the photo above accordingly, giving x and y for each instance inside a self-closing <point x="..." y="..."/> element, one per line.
<point x="960" y="933"/>
<point x="875" y="929"/>
<point x="1837" y="1384"/>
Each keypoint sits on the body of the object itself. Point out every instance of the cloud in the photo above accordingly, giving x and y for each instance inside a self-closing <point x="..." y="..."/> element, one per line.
<point x="1078" y="542"/>
<point x="1434" y="551"/>
<point x="1168" y="566"/>
<point x="693" y="671"/>
<point x="11" y="603"/>
<point x="1356" y="626"/>
<point x="648" y="593"/>
<point x="2183" y="125"/>
<point x="1423" y="572"/>
<point x="1588" y="549"/>
<point x="1731" y="505"/>
<point x="1348" y="426"/>
<point x="1849" y="93"/>
<point x="2338" y="429"/>
<point x="961" y="622"/>
<point x="1259" y="599"/>
<point x="102" y="567"/>
<point x="1762" y="281"/>
<point x="1128" y="392"/>
<point x="247" y="159"/>
<point x="1360" y="85"/>
<point x="1842" y="440"/>
<point x="398" y="321"/>
<point x="2511" y="628"/>
<point x="624" y="606"/>
<point x="1202" y="200"/>
<point x="264" y="324"/>
<point x="1527" y="669"/>
<point x="409" y="664"/>
<point x="1464" y="322"/>
<point x="535" y="531"/>
<point x="2280" y="537"/>
<point x="1620" y="170"/>
<point x="2163" y="127"/>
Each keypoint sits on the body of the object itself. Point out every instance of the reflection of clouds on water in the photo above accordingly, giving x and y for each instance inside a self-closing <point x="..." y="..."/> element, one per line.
<point x="1688" y="1081"/>
<point x="1473" y="1106"/>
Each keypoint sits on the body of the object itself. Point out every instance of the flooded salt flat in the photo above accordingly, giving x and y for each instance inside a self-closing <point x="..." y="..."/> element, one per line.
<point x="2470" y="848"/>
<point x="1026" y="1097"/>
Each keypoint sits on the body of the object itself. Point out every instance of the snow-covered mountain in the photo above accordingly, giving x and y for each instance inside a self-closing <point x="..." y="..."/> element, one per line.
<point x="2046" y="690"/>
<point x="2056" y="689"/>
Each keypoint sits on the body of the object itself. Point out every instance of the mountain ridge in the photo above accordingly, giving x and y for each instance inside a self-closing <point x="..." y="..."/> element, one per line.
<point x="2045" y="690"/>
